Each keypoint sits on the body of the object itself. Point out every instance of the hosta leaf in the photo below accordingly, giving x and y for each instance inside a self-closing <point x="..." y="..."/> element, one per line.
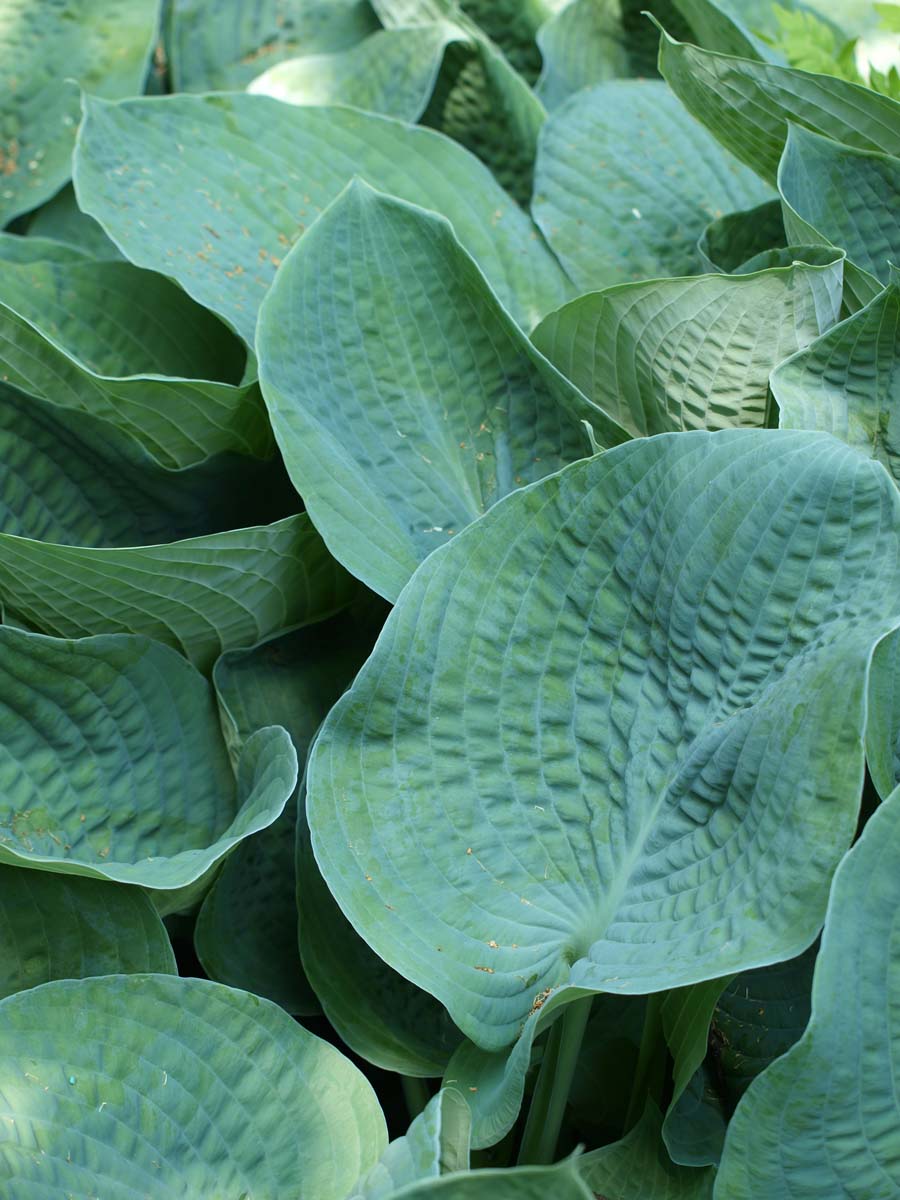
<point x="62" y="927"/>
<point x="731" y="28"/>
<point x="563" y="1181"/>
<point x="611" y="820"/>
<point x="221" y="212"/>
<point x="221" y="45"/>
<point x="437" y="1143"/>
<point x="113" y="765"/>
<point x="727" y="243"/>
<point x="583" y="44"/>
<point x="69" y="478"/>
<point x="641" y="37"/>
<point x="393" y="454"/>
<point x="848" y="381"/>
<point x="852" y="197"/>
<point x="674" y="354"/>
<point x="392" y="72"/>
<point x="47" y="50"/>
<point x="130" y="347"/>
<point x="246" y="933"/>
<point x="176" y="1087"/>
<point x="61" y="218"/>
<point x="883" y="728"/>
<point x="747" y="105"/>
<point x="638" y="1167"/>
<point x="644" y="211"/>
<point x="203" y="595"/>
<point x="837" y="1086"/>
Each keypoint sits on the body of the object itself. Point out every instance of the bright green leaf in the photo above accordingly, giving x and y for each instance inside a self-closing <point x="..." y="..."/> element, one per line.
<point x="626" y="182"/>
<point x="63" y="927"/>
<point x="613" y="760"/>
<point x="249" y="174"/>
<point x="395" y="453"/>
<point x="676" y="354"/>
<point x="176" y="1087"/>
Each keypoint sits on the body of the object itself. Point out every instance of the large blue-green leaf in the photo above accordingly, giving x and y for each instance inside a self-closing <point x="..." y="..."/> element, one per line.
<point x="246" y="933"/>
<point x="63" y="927"/>
<point x="129" y="346"/>
<point x="436" y="1144"/>
<point x="613" y="214"/>
<point x="848" y="381"/>
<point x="563" y="1181"/>
<point x="249" y="174"/>
<point x="850" y="197"/>
<point x="583" y="44"/>
<point x="673" y="354"/>
<point x="596" y="743"/>
<point x="728" y="242"/>
<point x="46" y="50"/>
<point x="823" y="1119"/>
<point x="391" y="72"/>
<point x="747" y="105"/>
<point x="221" y="45"/>
<point x="638" y="1167"/>
<point x="61" y="219"/>
<point x="113" y="764"/>
<point x="204" y="595"/>
<point x="393" y="453"/>
<point x="150" y="1086"/>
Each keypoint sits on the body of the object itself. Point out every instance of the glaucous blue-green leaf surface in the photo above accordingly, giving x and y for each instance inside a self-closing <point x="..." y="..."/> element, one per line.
<point x="14" y="248"/>
<point x="847" y="382"/>
<point x="563" y="1181"/>
<point x="583" y="44"/>
<point x="626" y="182"/>
<point x="203" y="595"/>
<point x="638" y="1167"/>
<point x="222" y="45"/>
<point x="747" y="105"/>
<point x="47" y="50"/>
<point x="159" y="1087"/>
<point x="436" y="1144"/>
<point x="673" y="354"/>
<point x="249" y="174"/>
<point x="392" y="72"/>
<point x="63" y="927"/>
<point x="730" y="241"/>
<point x="823" y="1119"/>
<point x="246" y="932"/>
<point x="596" y="743"/>
<point x="883" y="728"/>
<point x="61" y="219"/>
<point x="129" y="346"/>
<point x="851" y="197"/>
<point x="393" y="453"/>
<point x="113" y="764"/>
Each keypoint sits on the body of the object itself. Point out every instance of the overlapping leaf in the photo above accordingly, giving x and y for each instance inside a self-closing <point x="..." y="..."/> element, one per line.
<point x="583" y="44"/>
<point x="113" y="765"/>
<point x="837" y="1086"/>
<point x="176" y="1086"/>
<point x="64" y="927"/>
<point x="613" y="760"/>
<point x="394" y="451"/>
<point x="248" y="175"/>
<point x="613" y="215"/>
<point x="677" y="354"/>
<point x="103" y="45"/>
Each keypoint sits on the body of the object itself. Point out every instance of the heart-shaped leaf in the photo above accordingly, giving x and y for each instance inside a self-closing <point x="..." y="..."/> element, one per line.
<point x="578" y="771"/>
<point x="674" y="354"/>
<point x="176" y="1087"/>
<point x="113" y="765"/>
<point x="220" y="214"/>
<point x="104" y="45"/>
<point x="394" y="454"/>
<point x="837" y="1086"/>
<point x="644" y="211"/>
<point x="62" y="927"/>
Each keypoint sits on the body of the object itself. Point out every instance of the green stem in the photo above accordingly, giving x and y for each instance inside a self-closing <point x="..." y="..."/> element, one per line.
<point x="554" y="1082"/>
<point x="415" y="1093"/>
<point x="649" y="1075"/>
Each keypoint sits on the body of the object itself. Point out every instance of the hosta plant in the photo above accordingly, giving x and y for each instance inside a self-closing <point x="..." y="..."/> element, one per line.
<point x="450" y="596"/>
